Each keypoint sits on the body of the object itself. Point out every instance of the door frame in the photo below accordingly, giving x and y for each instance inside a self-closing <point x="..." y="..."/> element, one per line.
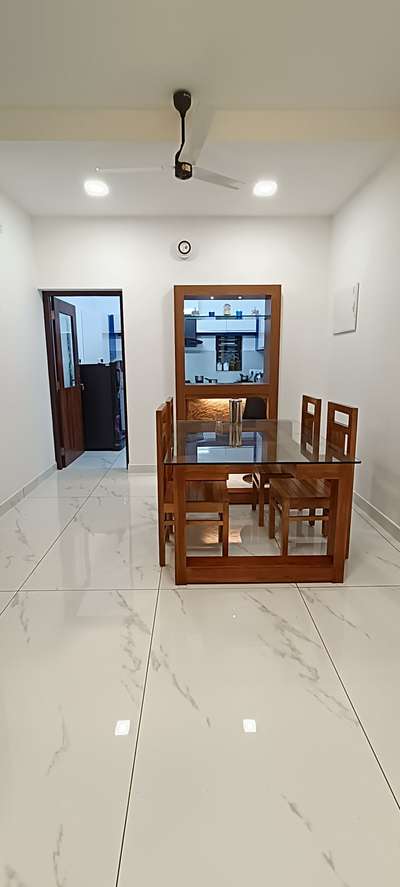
<point x="48" y="297"/>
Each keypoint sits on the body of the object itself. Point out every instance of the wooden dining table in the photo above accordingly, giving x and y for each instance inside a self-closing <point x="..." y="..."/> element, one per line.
<point x="202" y="448"/>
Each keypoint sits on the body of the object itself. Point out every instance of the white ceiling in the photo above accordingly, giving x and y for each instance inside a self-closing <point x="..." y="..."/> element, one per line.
<point x="305" y="91"/>
<point x="47" y="177"/>
<point x="290" y="53"/>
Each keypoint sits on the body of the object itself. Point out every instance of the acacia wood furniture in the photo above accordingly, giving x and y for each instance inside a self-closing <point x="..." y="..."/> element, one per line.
<point x="311" y="421"/>
<point x="310" y="435"/>
<point x="202" y="496"/>
<point x="290" y="494"/>
<point x="202" y="448"/>
<point x="210" y="401"/>
<point x="311" y="429"/>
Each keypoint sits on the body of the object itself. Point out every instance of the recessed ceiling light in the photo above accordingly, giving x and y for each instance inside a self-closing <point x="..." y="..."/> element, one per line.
<point x="265" y="188"/>
<point x="122" y="728"/>
<point x="96" y="188"/>
<point x="249" y="725"/>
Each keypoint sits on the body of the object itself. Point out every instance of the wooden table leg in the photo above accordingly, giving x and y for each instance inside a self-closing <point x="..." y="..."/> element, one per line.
<point x="261" y="503"/>
<point x="180" y="525"/>
<point x="339" y="522"/>
<point x="351" y="512"/>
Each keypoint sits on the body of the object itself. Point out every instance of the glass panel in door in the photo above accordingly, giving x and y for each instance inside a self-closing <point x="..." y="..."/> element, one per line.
<point x="67" y="350"/>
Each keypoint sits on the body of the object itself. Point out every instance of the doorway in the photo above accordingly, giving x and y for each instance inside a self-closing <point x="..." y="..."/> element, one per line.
<point x="86" y="361"/>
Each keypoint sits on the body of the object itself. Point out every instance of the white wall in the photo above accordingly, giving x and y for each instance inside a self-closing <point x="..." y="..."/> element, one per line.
<point x="26" y="441"/>
<point x="364" y="367"/>
<point x="139" y="256"/>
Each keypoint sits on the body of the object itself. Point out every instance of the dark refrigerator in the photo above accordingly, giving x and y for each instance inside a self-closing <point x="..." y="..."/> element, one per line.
<point x="103" y="405"/>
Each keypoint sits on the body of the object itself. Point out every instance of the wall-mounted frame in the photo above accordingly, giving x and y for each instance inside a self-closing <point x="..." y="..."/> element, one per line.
<point x="207" y="399"/>
<point x="345" y="309"/>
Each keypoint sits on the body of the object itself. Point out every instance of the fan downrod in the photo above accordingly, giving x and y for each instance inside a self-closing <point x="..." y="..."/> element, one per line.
<point x="182" y="103"/>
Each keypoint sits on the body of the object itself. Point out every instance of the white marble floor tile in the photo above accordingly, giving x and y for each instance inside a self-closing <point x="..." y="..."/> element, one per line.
<point x="300" y="801"/>
<point x="122" y="484"/>
<point x="68" y="483"/>
<point x="71" y="666"/>
<point x="111" y="543"/>
<point x="373" y="560"/>
<point x="27" y="531"/>
<point x="92" y="461"/>
<point x="382" y="532"/>
<point x="120" y="461"/>
<point x="5" y="597"/>
<point x="100" y="459"/>
<point x="361" y="629"/>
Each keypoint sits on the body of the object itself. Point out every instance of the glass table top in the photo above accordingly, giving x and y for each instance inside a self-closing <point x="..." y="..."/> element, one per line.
<point x="253" y="442"/>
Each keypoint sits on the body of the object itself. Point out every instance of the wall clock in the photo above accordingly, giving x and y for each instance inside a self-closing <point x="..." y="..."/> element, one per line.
<point x="184" y="248"/>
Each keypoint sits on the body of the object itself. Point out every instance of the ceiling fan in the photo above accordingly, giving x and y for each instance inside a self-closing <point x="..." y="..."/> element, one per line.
<point x="185" y="165"/>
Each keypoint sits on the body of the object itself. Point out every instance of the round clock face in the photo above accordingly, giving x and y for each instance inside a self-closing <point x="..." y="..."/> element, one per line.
<point x="184" y="248"/>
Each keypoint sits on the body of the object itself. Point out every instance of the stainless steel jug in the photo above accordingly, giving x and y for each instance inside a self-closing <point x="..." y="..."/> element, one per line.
<point x="235" y="411"/>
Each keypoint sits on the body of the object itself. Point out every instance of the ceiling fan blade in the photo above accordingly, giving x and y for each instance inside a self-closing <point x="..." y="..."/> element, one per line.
<point x="206" y="175"/>
<point x="126" y="170"/>
<point x="199" y="121"/>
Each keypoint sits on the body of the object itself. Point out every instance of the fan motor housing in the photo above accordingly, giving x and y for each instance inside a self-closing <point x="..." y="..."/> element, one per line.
<point x="182" y="101"/>
<point x="183" y="170"/>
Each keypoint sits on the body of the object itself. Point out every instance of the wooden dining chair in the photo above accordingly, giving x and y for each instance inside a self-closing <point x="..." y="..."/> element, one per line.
<point x="309" y="435"/>
<point x="310" y="423"/>
<point x="254" y="408"/>
<point x="202" y="497"/>
<point x="291" y="495"/>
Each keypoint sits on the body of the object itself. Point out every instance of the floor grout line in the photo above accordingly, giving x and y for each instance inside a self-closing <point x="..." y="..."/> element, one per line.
<point x="63" y="530"/>
<point x="353" y="707"/>
<point x="130" y="788"/>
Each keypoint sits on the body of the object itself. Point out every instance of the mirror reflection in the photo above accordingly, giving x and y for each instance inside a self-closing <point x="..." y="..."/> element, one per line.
<point x="227" y="340"/>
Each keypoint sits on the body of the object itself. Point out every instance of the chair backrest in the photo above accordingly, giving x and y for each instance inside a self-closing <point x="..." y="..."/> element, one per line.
<point x="342" y="435"/>
<point x="311" y="421"/>
<point x="255" y="408"/>
<point x="165" y="440"/>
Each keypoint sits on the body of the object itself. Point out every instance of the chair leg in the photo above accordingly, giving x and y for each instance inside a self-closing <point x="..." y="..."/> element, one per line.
<point x="325" y="523"/>
<point x="225" y="531"/>
<point x="285" y="529"/>
<point x="161" y="544"/>
<point x="220" y="528"/>
<point x="271" y="517"/>
<point x="312" y="514"/>
<point x="253" y="504"/>
<point x="261" y="504"/>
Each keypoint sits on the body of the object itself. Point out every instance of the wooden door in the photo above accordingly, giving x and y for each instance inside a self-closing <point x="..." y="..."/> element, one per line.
<point x="68" y="383"/>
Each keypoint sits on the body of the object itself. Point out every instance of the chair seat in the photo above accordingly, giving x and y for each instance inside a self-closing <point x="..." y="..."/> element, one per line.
<point x="199" y="491"/>
<point x="296" y="490"/>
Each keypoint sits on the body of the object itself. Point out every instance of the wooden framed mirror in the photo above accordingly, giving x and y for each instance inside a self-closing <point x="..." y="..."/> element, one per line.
<point x="227" y="341"/>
